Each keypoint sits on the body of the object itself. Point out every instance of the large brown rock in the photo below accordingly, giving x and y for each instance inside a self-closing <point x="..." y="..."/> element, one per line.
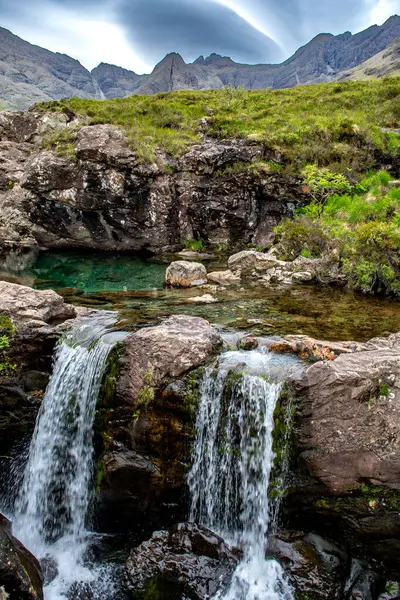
<point x="350" y="419"/>
<point x="33" y="308"/>
<point x="347" y="472"/>
<point x="184" y="274"/>
<point x="180" y="343"/>
<point x="20" y="573"/>
<point x="147" y="425"/>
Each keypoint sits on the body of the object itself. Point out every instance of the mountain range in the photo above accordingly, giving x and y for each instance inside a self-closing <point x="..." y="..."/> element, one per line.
<point x="31" y="74"/>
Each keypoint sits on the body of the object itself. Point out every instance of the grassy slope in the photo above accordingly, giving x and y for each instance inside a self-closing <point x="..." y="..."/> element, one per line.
<point x="332" y="124"/>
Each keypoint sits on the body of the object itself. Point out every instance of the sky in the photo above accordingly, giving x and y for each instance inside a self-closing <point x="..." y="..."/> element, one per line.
<point x="137" y="34"/>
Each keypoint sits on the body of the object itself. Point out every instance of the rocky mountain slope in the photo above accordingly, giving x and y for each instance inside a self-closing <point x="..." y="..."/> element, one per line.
<point x="30" y="74"/>
<point x="383" y="64"/>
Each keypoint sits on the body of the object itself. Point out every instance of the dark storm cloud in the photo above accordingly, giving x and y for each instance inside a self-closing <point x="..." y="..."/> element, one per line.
<point x="193" y="28"/>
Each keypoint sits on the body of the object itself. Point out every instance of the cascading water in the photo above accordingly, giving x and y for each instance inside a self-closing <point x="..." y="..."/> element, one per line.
<point x="232" y="465"/>
<point x="51" y="506"/>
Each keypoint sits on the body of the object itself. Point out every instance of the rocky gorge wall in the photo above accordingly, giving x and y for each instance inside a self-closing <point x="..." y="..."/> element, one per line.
<point x="102" y="196"/>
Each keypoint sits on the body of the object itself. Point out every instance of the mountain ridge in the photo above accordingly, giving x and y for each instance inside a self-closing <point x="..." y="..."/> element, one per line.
<point x="30" y="74"/>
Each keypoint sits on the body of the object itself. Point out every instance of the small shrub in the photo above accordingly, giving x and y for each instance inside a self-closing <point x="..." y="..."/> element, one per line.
<point x="195" y="245"/>
<point x="302" y="234"/>
<point x="7" y="331"/>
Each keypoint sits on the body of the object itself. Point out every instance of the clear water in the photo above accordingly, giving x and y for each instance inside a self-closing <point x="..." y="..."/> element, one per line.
<point x="95" y="272"/>
<point x="233" y="459"/>
<point x="51" y="507"/>
<point x="135" y="287"/>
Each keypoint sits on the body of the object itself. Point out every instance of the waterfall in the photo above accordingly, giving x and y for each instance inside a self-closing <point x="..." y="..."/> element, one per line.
<point x="51" y="506"/>
<point x="233" y="459"/>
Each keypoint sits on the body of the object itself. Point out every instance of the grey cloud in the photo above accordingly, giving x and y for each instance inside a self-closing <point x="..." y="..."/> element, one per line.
<point x="295" y="22"/>
<point x="157" y="27"/>
<point x="193" y="27"/>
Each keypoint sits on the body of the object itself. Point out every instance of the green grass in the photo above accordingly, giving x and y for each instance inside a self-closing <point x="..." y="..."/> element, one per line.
<point x="361" y="229"/>
<point x="337" y="125"/>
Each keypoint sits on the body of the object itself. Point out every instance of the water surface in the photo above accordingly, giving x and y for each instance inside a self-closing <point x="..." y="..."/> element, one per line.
<point x="135" y="287"/>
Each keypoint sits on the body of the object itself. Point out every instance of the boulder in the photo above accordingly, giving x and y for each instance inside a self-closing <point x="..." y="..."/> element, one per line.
<point x="192" y="560"/>
<point x="147" y="424"/>
<point x="184" y="274"/>
<point x="20" y="574"/>
<point x="33" y="308"/>
<point x="315" y="567"/>
<point x="152" y="354"/>
<point x="223" y="277"/>
<point x="350" y="419"/>
<point x="347" y="470"/>
<point x="104" y="144"/>
<point x="250" y="262"/>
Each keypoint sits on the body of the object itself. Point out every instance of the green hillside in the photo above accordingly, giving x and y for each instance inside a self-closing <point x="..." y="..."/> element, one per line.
<point x="337" y="125"/>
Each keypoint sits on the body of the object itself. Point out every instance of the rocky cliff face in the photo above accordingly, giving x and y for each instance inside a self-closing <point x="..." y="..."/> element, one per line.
<point x="31" y="74"/>
<point x="103" y="197"/>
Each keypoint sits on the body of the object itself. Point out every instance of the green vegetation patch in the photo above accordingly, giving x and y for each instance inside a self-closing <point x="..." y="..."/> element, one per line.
<point x="359" y="228"/>
<point x="7" y="332"/>
<point x="337" y="124"/>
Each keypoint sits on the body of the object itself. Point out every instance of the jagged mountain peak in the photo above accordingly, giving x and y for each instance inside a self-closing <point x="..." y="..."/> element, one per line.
<point x="30" y="74"/>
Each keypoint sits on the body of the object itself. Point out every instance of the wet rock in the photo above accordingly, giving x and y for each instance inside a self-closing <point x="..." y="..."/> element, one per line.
<point x="49" y="569"/>
<point x="33" y="308"/>
<point x="148" y="424"/>
<point x="311" y="349"/>
<point x="350" y="426"/>
<point x="248" y="342"/>
<point x="348" y="444"/>
<point x="184" y="274"/>
<point x="35" y="380"/>
<point x="180" y="343"/>
<point x="20" y="574"/>
<point x="363" y="583"/>
<point x="193" y="558"/>
<point x="315" y="567"/>
<point x="223" y="277"/>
